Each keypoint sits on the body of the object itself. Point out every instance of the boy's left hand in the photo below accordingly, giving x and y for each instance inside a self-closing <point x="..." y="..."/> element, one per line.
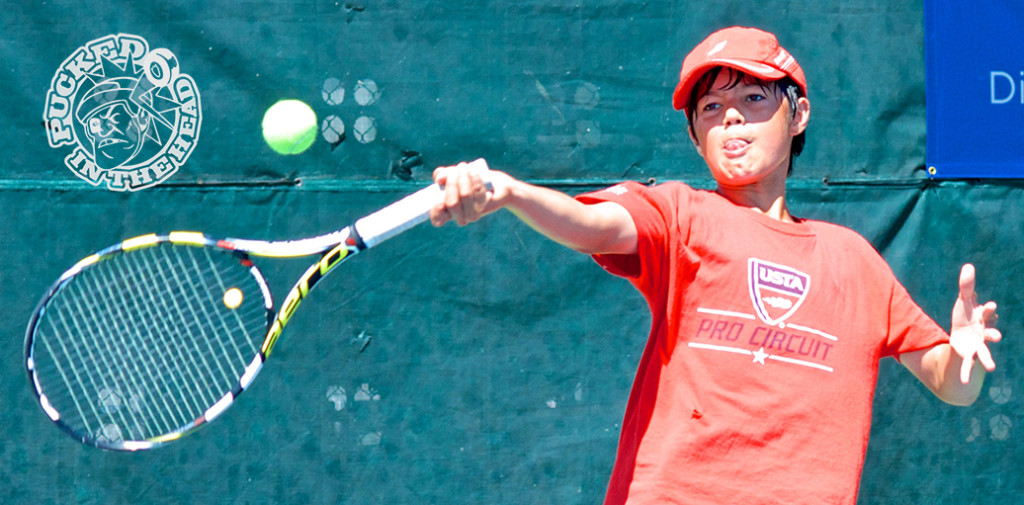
<point x="973" y="326"/>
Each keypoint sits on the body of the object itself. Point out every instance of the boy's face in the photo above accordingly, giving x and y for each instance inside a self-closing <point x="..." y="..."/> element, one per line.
<point x="745" y="131"/>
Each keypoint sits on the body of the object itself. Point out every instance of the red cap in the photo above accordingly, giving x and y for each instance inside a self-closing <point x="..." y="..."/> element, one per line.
<point x="749" y="50"/>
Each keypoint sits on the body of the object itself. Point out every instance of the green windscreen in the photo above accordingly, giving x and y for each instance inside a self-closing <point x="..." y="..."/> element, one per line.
<point x="450" y="365"/>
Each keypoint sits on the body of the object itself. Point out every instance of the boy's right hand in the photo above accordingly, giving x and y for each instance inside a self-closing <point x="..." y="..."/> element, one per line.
<point x="471" y="191"/>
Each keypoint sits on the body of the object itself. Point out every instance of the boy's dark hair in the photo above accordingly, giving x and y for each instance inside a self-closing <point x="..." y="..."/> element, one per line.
<point x="785" y="86"/>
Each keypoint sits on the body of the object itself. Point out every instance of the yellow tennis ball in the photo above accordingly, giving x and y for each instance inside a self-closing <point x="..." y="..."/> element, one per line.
<point x="289" y="127"/>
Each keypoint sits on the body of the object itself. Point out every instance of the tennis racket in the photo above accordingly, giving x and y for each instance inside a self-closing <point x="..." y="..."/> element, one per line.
<point x="147" y="340"/>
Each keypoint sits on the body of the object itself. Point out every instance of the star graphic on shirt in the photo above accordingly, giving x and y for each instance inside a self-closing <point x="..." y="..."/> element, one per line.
<point x="760" y="355"/>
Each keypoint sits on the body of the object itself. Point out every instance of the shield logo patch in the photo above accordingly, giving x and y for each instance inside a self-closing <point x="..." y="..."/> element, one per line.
<point x="776" y="290"/>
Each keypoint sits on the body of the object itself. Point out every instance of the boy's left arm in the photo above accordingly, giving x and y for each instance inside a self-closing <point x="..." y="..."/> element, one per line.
<point x="948" y="369"/>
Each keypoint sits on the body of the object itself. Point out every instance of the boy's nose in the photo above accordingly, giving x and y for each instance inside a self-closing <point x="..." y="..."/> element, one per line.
<point x="733" y="117"/>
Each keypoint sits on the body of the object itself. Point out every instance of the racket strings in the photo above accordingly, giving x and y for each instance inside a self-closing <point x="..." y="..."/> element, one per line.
<point x="141" y="343"/>
<point x="167" y="413"/>
<point x="189" y="381"/>
<point x="223" y="325"/>
<point x="109" y="354"/>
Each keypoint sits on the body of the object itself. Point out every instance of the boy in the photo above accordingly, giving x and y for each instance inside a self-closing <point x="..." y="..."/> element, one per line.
<point x="758" y="376"/>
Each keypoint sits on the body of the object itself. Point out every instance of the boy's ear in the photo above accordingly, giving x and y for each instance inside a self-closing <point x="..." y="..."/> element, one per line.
<point x="696" y="143"/>
<point x="803" y="115"/>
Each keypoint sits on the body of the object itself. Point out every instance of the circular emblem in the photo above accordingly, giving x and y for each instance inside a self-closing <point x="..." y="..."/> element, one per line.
<point x="127" y="111"/>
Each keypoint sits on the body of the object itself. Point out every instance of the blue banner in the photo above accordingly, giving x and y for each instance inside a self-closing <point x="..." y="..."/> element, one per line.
<point x="975" y="88"/>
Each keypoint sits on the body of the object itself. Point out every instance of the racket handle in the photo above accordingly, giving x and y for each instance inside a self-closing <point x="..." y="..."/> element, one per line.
<point x="407" y="212"/>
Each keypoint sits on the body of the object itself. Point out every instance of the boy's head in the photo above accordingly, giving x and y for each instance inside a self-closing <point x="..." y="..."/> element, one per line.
<point x="747" y="55"/>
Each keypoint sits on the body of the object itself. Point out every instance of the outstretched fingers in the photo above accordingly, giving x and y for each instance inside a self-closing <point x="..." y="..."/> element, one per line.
<point x="973" y="326"/>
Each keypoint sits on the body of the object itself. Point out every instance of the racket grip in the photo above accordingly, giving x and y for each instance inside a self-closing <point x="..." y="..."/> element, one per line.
<point x="407" y="212"/>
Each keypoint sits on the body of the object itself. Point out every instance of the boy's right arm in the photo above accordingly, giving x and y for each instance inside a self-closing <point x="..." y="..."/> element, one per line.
<point x="602" y="228"/>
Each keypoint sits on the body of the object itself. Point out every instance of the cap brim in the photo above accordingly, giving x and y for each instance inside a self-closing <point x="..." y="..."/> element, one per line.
<point x="756" y="69"/>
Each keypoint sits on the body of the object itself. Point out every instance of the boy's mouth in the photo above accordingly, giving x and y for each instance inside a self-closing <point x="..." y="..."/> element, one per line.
<point x="735" y="147"/>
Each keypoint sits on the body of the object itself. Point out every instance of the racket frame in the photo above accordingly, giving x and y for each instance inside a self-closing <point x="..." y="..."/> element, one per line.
<point x="334" y="248"/>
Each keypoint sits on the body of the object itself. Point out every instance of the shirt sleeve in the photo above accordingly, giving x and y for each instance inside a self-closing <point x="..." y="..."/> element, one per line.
<point x="656" y="214"/>
<point x="910" y="328"/>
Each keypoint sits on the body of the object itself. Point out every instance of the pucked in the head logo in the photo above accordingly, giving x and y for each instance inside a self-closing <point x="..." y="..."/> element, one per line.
<point x="129" y="113"/>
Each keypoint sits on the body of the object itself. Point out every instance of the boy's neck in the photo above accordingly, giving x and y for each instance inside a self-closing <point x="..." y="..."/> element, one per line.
<point x="769" y="200"/>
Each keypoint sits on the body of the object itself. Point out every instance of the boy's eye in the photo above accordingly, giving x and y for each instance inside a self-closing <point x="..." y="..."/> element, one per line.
<point x="755" y="98"/>
<point x="708" y="107"/>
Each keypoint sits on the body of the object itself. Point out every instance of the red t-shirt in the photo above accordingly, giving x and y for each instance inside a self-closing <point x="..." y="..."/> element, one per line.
<point x="757" y="380"/>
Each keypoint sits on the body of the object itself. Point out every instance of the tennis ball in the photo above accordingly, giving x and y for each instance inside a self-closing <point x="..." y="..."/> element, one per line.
<point x="289" y="127"/>
<point x="233" y="298"/>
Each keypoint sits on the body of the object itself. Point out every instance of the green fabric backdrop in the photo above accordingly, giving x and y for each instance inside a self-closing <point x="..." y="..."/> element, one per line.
<point x="479" y="364"/>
